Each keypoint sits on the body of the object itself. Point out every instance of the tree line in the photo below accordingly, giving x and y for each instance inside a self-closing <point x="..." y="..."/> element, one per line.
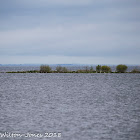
<point x="99" y="69"/>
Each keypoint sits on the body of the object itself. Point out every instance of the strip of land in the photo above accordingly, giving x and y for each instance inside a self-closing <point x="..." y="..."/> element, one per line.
<point x="99" y="69"/>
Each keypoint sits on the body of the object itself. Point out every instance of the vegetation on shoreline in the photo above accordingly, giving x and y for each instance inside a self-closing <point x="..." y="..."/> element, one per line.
<point x="99" y="69"/>
<point x="121" y="68"/>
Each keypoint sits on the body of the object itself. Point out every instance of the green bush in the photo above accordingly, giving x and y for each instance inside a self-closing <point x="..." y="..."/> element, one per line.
<point x="98" y="68"/>
<point x="106" y="69"/>
<point x="121" y="68"/>
<point x="45" y="69"/>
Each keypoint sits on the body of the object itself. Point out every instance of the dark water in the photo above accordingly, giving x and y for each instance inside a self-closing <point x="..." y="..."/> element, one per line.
<point x="79" y="106"/>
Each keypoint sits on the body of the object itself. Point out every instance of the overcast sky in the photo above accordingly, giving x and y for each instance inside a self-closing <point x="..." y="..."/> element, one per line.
<point x="70" y="31"/>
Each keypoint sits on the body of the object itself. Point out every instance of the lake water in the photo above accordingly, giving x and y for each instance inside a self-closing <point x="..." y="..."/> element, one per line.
<point x="79" y="106"/>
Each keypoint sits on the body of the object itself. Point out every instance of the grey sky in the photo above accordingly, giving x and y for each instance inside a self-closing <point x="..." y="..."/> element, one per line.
<point x="70" y="31"/>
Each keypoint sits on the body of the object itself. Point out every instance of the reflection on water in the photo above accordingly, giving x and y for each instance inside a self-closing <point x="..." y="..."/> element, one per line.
<point x="80" y="106"/>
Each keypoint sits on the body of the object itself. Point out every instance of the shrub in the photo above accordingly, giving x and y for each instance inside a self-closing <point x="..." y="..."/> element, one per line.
<point x="92" y="70"/>
<point x="61" y="69"/>
<point x="135" y="71"/>
<point x="86" y="69"/>
<point x="45" y="69"/>
<point x="89" y="69"/>
<point x="64" y="69"/>
<point x="80" y="71"/>
<point x="98" y="68"/>
<point x="106" y="69"/>
<point x="121" y="68"/>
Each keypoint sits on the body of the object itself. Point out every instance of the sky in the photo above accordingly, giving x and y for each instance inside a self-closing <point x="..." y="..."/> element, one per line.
<point x="70" y="32"/>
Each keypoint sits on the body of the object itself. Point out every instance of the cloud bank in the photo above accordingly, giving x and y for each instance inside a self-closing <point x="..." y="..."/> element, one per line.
<point x="60" y="31"/>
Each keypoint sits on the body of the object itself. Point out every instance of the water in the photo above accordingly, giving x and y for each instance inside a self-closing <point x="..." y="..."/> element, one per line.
<point x="79" y="106"/>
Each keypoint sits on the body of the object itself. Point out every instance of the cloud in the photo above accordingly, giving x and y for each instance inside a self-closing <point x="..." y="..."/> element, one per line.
<point x="72" y="29"/>
<point x="43" y="3"/>
<point x="52" y="59"/>
<point x="47" y="3"/>
<point x="71" y="39"/>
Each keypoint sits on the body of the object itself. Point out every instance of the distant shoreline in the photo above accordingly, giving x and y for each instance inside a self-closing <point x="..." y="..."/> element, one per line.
<point x="67" y="72"/>
<point x="86" y="69"/>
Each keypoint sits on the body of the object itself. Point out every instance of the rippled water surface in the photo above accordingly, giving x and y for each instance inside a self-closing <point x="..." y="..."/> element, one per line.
<point x="80" y="106"/>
